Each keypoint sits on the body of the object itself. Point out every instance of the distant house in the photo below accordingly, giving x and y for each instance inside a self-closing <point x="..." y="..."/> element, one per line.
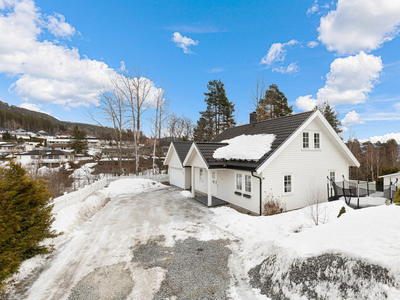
<point x="7" y="148"/>
<point x="288" y="157"/>
<point x="45" y="157"/>
<point x="60" y="146"/>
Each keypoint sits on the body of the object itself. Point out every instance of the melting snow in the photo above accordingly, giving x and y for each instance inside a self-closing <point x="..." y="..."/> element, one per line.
<point x="245" y="147"/>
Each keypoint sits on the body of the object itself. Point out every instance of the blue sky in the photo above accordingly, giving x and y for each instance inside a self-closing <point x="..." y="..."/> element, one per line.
<point x="55" y="54"/>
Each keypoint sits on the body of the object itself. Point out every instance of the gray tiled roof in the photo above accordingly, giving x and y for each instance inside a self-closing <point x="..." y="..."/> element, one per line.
<point x="282" y="127"/>
<point x="182" y="149"/>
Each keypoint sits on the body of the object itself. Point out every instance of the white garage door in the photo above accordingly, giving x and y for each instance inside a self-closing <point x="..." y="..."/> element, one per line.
<point x="177" y="177"/>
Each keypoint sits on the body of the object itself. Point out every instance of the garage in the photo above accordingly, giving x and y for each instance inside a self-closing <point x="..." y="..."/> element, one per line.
<point x="177" y="177"/>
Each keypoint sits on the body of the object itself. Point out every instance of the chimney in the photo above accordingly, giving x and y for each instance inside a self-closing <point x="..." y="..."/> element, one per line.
<point x="253" y="117"/>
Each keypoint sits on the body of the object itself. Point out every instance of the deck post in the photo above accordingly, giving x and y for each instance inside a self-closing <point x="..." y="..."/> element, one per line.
<point x="192" y="180"/>
<point x="209" y="192"/>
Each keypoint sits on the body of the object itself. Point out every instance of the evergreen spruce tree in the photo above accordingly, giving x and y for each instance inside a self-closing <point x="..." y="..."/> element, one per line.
<point x="6" y="136"/>
<point x="25" y="218"/>
<point x="219" y="113"/>
<point x="273" y="105"/>
<point x="79" y="141"/>
<point x="330" y="115"/>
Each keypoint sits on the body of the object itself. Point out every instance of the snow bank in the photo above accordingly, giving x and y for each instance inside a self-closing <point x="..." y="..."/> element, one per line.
<point x="258" y="234"/>
<point x="245" y="147"/>
<point x="130" y="186"/>
<point x="282" y="244"/>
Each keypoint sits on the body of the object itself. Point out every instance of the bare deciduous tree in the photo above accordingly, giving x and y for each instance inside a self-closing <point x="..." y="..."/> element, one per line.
<point x="137" y="90"/>
<point x="112" y="110"/>
<point x="257" y="95"/>
<point x="316" y="211"/>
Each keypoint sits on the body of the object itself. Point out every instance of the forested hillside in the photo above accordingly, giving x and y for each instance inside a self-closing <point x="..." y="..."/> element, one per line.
<point x="13" y="117"/>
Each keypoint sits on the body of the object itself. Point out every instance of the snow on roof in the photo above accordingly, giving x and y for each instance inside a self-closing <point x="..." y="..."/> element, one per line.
<point x="245" y="147"/>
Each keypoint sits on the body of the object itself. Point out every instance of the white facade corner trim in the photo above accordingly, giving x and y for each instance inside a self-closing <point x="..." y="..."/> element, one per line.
<point x="316" y="114"/>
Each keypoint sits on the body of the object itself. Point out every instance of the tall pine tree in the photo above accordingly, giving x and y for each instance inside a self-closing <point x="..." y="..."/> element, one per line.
<point x="219" y="113"/>
<point x="330" y="115"/>
<point x="274" y="104"/>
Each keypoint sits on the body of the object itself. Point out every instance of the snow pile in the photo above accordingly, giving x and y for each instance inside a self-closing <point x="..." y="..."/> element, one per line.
<point x="186" y="194"/>
<point x="132" y="186"/>
<point x="245" y="147"/>
<point x="277" y="247"/>
<point x="84" y="171"/>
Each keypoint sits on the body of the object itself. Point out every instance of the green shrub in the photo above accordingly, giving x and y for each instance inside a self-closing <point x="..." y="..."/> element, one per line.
<point x="396" y="199"/>
<point x="342" y="211"/>
<point x="25" y="218"/>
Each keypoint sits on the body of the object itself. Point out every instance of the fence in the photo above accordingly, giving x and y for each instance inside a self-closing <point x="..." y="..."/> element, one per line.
<point x="81" y="194"/>
<point x="356" y="189"/>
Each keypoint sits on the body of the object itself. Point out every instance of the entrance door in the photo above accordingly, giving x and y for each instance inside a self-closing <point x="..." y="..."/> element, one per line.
<point x="214" y="183"/>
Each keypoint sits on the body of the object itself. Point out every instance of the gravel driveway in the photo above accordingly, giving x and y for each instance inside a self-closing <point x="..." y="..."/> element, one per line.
<point x="154" y="245"/>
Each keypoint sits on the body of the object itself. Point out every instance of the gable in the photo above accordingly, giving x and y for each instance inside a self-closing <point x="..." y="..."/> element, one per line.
<point x="316" y="123"/>
<point x="194" y="158"/>
<point x="172" y="158"/>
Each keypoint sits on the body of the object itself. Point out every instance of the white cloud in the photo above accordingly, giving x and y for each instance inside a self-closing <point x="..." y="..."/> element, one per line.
<point x="58" y="27"/>
<point x="216" y="70"/>
<point x="277" y="52"/>
<point x="44" y="71"/>
<point x="306" y="103"/>
<point x="348" y="82"/>
<point x="313" y="9"/>
<point x="183" y="42"/>
<point x="292" y="68"/>
<point x="312" y="44"/>
<point x="360" y="25"/>
<point x="351" y="118"/>
<point x="386" y="137"/>
<point x="33" y="107"/>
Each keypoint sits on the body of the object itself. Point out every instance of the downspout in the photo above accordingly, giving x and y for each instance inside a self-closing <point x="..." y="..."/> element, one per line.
<point x="260" y="190"/>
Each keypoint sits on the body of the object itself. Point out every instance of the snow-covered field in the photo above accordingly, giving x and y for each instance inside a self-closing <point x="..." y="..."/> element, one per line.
<point x="369" y="234"/>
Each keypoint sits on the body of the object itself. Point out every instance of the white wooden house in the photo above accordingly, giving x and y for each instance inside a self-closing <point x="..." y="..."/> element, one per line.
<point x="45" y="157"/>
<point x="179" y="175"/>
<point x="303" y="151"/>
<point x="391" y="179"/>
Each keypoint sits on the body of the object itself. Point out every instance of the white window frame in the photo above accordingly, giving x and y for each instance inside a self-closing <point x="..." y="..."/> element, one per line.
<point x="291" y="184"/>
<point x="241" y="182"/>
<point x="302" y="140"/>
<point x="251" y="183"/>
<point x="201" y="176"/>
<point x="320" y="144"/>
<point x="329" y="175"/>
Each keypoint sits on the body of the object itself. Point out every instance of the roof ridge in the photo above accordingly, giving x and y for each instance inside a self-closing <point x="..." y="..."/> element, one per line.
<point x="269" y="120"/>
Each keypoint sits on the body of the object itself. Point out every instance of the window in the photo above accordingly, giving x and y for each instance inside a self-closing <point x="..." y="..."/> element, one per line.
<point x="239" y="181"/>
<point x="247" y="183"/>
<point x="306" y="140"/>
<point x="287" y="184"/>
<point x="332" y="175"/>
<point x="317" y="144"/>
<point x="201" y="174"/>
